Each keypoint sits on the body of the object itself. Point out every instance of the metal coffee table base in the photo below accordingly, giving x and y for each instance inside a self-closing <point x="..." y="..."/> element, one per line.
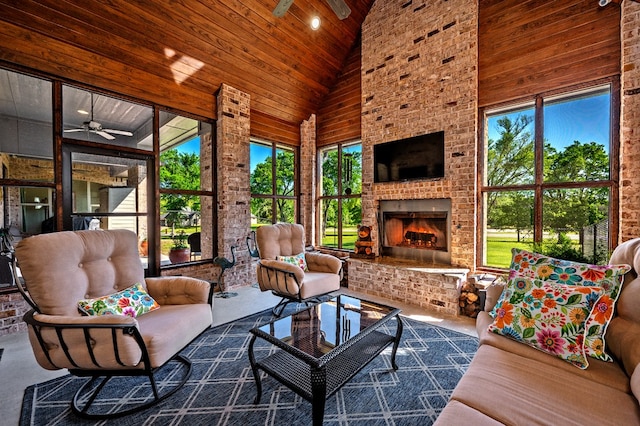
<point x="316" y="381"/>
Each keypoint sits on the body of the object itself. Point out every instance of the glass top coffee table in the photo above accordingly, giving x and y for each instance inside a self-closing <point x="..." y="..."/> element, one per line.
<point x="322" y="347"/>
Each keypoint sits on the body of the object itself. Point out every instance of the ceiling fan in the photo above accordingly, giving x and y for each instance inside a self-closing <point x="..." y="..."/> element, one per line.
<point x="95" y="127"/>
<point x="339" y="7"/>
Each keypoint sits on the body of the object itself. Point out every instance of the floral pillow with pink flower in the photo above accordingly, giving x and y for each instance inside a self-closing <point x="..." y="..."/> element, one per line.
<point x="608" y="277"/>
<point x="132" y="301"/>
<point x="548" y="316"/>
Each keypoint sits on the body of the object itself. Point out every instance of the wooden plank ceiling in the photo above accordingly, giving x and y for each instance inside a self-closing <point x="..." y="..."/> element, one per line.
<point x="178" y="53"/>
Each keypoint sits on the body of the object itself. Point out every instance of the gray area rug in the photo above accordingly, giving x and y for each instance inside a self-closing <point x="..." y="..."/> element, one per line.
<point x="221" y="389"/>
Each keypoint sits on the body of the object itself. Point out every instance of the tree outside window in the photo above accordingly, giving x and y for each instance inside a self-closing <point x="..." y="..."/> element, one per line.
<point x="549" y="193"/>
<point x="272" y="200"/>
<point x="340" y="204"/>
<point x="186" y="187"/>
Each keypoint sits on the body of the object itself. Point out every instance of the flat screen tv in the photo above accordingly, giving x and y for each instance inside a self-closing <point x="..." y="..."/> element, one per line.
<point x="418" y="157"/>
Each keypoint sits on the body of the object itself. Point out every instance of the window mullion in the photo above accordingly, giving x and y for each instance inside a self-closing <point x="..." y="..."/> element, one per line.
<point x="539" y="170"/>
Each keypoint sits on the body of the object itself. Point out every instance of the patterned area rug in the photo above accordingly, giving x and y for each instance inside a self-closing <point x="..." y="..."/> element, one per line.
<point x="221" y="389"/>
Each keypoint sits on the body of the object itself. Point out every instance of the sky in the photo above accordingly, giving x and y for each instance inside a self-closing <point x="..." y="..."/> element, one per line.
<point x="191" y="147"/>
<point x="585" y="120"/>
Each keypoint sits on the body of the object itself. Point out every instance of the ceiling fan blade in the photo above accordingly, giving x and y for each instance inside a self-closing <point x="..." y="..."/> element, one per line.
<point x="105" y="135"/>
<point x="118" y="132"/>
<point x="340" y="8"/>
<point x="74" y="130"/>
<point x="282" y="8"/>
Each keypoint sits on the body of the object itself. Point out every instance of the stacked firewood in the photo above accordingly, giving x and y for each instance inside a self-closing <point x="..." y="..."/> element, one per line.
<point x="469" y="300"/>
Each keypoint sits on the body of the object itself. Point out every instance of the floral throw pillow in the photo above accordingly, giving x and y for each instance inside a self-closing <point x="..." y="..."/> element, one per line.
<point x="608" y="277"/>
<point x="547" y="316"/>
<point x="298" y="260"/>
<point x="133" y="301"/>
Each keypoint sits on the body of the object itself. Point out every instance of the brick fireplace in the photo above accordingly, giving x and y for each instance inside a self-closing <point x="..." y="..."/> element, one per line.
<point x="419" y="76"/>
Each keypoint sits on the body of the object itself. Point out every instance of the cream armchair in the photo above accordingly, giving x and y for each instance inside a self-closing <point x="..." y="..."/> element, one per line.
<point x="62" y="268"/>
<point x="287" y="280"/>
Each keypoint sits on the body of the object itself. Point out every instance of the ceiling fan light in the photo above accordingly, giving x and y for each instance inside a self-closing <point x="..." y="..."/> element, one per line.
<point x="83" y="112"/>
<point x="315" y="23"/>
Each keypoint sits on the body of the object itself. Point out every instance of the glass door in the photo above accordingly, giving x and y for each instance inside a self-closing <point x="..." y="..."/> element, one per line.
<point x="110" y="189"/>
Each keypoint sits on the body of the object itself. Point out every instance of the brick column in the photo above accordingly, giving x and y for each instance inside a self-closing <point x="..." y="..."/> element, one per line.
<point x="233" y="186"/>
<point x="630" y="122"/>
<point x="308" y="178"/>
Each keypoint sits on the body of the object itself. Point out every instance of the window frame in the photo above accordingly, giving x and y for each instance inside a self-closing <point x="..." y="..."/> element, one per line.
<point x="202" y="193"/>
<point x="539" y="186"/>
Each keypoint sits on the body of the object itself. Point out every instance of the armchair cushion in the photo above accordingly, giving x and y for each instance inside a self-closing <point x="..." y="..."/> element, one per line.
<point x="91" y="264"/>
<point x="321" y="262"/>
<point x="133" y="301"/>
<point x="178" y="290"/>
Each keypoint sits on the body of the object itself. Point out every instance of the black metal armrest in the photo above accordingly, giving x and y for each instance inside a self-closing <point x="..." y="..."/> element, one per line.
<point x="98" y="338"/>
<point x="279" y="276"/>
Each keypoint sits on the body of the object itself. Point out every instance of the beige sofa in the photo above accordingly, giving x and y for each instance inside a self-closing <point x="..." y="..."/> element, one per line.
<point x="511" y="383"/>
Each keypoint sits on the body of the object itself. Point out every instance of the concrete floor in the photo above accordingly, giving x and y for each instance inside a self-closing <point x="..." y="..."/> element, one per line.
<point x="18" y="368"/>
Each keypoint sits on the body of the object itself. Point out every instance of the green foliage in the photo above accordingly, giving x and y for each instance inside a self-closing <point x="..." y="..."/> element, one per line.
<point x="262" y="183"/>
<point x="512" y="209"/>
<point x="179" y="170"/>
<point x="510" y="162"/>
<point x="563" y="248"/>
<point x="510" y="159"/>
<point x="331" y="186"/>
<point x="180" y="240"/>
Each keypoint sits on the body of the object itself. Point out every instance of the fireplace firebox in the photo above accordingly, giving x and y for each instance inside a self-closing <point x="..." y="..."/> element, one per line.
<point x="416" y="230"/>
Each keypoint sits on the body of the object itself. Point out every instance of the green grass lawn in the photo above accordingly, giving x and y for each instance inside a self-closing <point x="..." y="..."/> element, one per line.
<point x="499" y="250"/>
<point x="349" y="237"/>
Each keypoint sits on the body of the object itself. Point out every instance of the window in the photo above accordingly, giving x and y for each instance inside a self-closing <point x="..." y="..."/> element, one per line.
<point x="273" y="199"/>
<point x="547" y="177"/>
<point x="26" y="160"/>
<point x="186" y="189"/>
<point x="340" y="204"/>
<point x="107" y="168"/>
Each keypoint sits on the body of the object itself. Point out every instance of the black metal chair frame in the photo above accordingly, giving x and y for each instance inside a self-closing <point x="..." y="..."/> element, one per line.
<point x="281" y="276"/>
<point x="88" y="389"/>
<point x="195" y="245"/>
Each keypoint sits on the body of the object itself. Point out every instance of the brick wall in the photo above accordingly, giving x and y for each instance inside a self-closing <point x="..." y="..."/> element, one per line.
<point x="435" y="290"/>
<point x="12" y="309"/>
<point x="419" y="75"/>
<point x="308" y="178"/>
<point x="630" y="122"/>
<point x="233" y="186"/>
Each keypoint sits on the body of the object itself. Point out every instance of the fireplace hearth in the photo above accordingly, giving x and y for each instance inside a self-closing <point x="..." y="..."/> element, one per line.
<point x="416" y="229"/>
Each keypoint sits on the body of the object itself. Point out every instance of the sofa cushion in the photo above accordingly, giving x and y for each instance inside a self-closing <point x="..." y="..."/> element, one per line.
<point x="609" y="277"/>
<point x="454" y="411"/>
<point x="518" y="390"/>
<point x="492" y="295"/>
<point x="132" y="301"/>
<point x="607" y="373"/>
<point x="318" y="283"/>
<point x="167" y="330"/>
<point x="546" y="316"/>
